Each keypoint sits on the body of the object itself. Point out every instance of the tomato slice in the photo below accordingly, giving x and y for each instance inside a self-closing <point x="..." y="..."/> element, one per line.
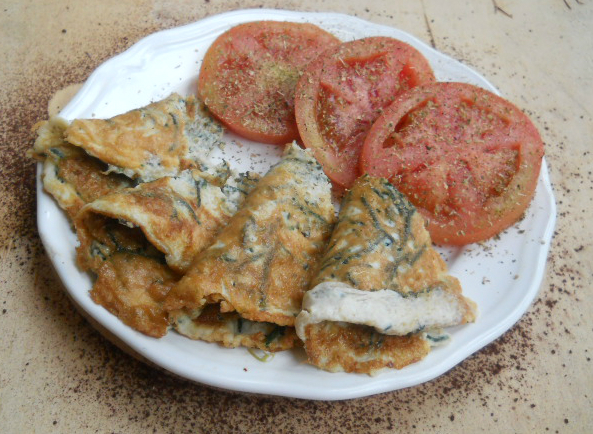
<point x="249" y="74"/>
<point x="468" y="159"/>
<point x="343" y="91"/>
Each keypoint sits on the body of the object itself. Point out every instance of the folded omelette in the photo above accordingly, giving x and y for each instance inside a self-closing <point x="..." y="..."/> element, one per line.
<point x="262" y="262"/>
<point x="161" y="139"/>
<point x="69" y="174"/>
<point x="180" y="216"/>
<point x="381" y="294"/>
<point x="139" y="241"/>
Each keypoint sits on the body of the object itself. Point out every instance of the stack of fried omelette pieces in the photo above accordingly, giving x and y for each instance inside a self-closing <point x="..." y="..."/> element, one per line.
<point x="175" y="241"/>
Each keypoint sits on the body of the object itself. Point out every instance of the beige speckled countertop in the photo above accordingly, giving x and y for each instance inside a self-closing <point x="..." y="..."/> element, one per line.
<point x="58" y="374"/>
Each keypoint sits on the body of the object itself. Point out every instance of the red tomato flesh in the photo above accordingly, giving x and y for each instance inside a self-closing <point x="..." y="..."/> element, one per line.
<point x="466" y="158"/>
<point x="344" y="90"/>
<point x="249" y="74"/>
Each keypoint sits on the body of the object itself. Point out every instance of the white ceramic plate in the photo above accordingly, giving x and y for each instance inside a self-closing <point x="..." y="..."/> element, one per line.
<point x="503" y="276"/>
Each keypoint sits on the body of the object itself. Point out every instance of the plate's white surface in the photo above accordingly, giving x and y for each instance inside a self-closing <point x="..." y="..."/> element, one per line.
<point x="503" y="275"/>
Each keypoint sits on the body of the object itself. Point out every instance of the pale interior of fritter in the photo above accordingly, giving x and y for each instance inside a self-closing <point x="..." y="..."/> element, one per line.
<point x="231" y="330"/>
<point x="387" y="311"/>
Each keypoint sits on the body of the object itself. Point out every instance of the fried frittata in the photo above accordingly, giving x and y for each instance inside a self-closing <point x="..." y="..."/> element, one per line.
<point x="262" y="262"/>
<point x="180" y="215"/>
<point x="161" y="139"/>
<point x="70" y="175"/>
<point x="381" y="293"/>
<point x="139" y="241"/>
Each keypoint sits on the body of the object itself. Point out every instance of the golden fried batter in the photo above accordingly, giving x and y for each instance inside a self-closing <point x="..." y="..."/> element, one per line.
<point x="132" y="287"/>
<point x="379" y="252"/>
<point x="70" y="175"/>
<point x="161" y="139"/>
<point x="338" y="347"/>
<point x="262" y="262"/>
<point x="159" y="223"/>
<point x="180" y="216"/>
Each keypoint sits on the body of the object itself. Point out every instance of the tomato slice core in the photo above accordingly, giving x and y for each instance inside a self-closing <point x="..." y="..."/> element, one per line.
<point x="468" y="159"/>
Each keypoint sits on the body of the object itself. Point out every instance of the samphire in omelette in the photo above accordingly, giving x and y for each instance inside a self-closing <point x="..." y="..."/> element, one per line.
<point x="70" y="175"/>
<point x="161" y="139"/>
<point x="381" y="294"/>
<point x="139" y="241"/>
<point x="262" y="262"/>
<point x="180" y="215"/>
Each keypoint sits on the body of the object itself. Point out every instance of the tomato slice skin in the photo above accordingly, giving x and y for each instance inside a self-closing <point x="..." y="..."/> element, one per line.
<point x="343" y="91"/>
<point x="249" y="74"/>
<point x="468" y="159"/>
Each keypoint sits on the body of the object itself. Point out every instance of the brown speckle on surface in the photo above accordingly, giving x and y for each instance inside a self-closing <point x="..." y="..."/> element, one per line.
<point x="59" y="374"/>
